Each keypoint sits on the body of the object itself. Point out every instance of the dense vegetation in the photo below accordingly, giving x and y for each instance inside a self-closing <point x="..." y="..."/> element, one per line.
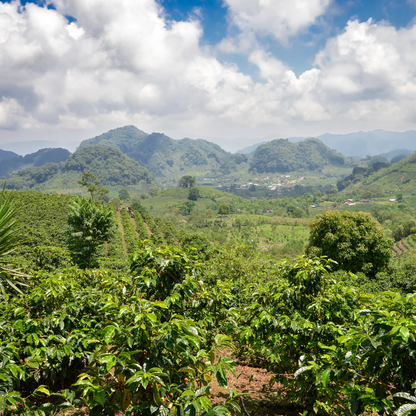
<point x="284" y="156"/>
<point x="167" y="158"/>
<point x="148" y="335"/>
<point x="109" y="164"/>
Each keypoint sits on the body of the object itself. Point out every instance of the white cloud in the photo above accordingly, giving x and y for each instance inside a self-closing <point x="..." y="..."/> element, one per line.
<point x="279" y="18"/>
<point x="125" y="63"/>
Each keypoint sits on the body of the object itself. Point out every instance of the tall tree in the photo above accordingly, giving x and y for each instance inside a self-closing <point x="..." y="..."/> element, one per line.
<point x="187" y="181"/>
<point x="123" y="194"/>
<point x="89" y="227"/>
<point x="91" y="182"/>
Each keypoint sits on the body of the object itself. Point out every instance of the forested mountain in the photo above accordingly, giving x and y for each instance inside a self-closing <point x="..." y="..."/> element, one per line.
<point x="165" y="157"/>
<point x="109" y="164"/>
<point x="284" y="156"/>
<point x="5" y="154"/>
<point x="39" y="158"/>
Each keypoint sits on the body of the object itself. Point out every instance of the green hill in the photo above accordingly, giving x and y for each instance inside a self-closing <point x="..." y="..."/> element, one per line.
<point x="169" y="159"/>
<point x="39" y="158"/>
<point x="399" y="177"/>
<point x="281" y="156"/>
<point x="109" y="164"/>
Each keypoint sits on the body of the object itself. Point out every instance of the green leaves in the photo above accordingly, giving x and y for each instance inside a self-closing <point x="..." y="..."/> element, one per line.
<point x="89" y="227"/>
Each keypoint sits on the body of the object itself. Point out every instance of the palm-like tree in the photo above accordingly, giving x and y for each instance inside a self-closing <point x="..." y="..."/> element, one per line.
<point x="10" y="238"/>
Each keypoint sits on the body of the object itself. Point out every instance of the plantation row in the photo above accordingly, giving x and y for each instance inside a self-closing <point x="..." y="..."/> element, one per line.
<point x="149" y="342"/>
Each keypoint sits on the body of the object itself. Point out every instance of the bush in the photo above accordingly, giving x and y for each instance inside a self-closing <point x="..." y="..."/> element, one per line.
<point x="51" y="258"/>
<point x="355" y="240"/>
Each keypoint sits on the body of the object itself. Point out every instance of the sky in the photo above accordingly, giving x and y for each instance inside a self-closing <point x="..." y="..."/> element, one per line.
<point x="72" y="69"/>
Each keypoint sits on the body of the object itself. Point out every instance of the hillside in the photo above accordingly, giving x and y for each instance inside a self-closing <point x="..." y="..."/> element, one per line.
<point x="281" y="156"/>
<point x="39" y="158"/>
<point x="169" y="159"/>
<point x="109" y="164"/>
<point x="399" y="177"/>
<point x="5" y="154"/>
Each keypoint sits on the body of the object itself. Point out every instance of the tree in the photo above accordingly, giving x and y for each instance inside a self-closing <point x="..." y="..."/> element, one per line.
<point x="153" y="192"/>
<point x="123" y="194"/>
<point x="224" y="209"/>
<point x="138" y="207"/>
<point x="91" y="182"/>
<point x="193" y="194"/>
<point x="355" y="240"/>
<point x="10" y="238"/>
<point x="187" y="181"/>
<point x="89" y="227"/>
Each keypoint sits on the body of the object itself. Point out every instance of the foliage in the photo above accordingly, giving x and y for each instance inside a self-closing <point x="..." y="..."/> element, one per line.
<point x="161" y="155"/>
<point x="354" y="240"/>
<point x="50" y="258"/>
<point x="10" y="238"/>
<point x="224" y="209"/>
<point x="124" y="195"/>
<point x="193" y="194"/>
<point x="187" y="181"/>
<point x="284" y="156"/>
<point x="89" y="227"/>
<point x="109" y="164"/>
<point x="90" y="181"/>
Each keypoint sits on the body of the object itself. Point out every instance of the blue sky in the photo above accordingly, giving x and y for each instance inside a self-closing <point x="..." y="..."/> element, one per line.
<point x="208" y="68"/>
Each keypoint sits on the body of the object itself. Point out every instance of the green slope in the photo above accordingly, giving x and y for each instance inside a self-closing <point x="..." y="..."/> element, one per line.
<point x="114" y="169"/>
<point x="399" y="177"/>
<point x="281" y="156"/>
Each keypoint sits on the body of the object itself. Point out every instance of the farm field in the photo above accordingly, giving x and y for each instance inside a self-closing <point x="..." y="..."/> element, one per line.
<point x="185" y="313"/>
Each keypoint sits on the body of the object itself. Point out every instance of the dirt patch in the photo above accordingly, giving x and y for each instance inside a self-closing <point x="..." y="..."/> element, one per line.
<point x="121" y="229"/>
<point x="402" y="247"/>
<point x="133" y="221"/>
<point x="261" y="400"/>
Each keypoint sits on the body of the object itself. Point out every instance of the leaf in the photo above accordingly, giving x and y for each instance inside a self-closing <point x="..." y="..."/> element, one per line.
<point x="325" y="377"/>
<point x="152" y="317"/>
<point x="108" y="333"/>
<point x="405" y="333"/>
<point x="42" y="389"/>
<point x="205" y="403"/>
<point x="303" y="369"/>
<point x="405" y="409"/>
<point x="99" y="397"/>
<point x="110" y="360"/>
<point x="156" y="395"/>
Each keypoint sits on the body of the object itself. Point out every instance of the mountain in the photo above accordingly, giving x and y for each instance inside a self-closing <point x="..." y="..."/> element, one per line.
<point x="109" y="164"/>
<point x="32" y="146"/>
<point x="284" y="156"/>
<point x="359" y="144"/>
<point x="39" y="158"/>
<point x="397" y="152"/>
<point x="167" y="158"/>
<point x="5" y="154"/>
<point x="250" y="149"/>
<point x="370" y="142"/>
